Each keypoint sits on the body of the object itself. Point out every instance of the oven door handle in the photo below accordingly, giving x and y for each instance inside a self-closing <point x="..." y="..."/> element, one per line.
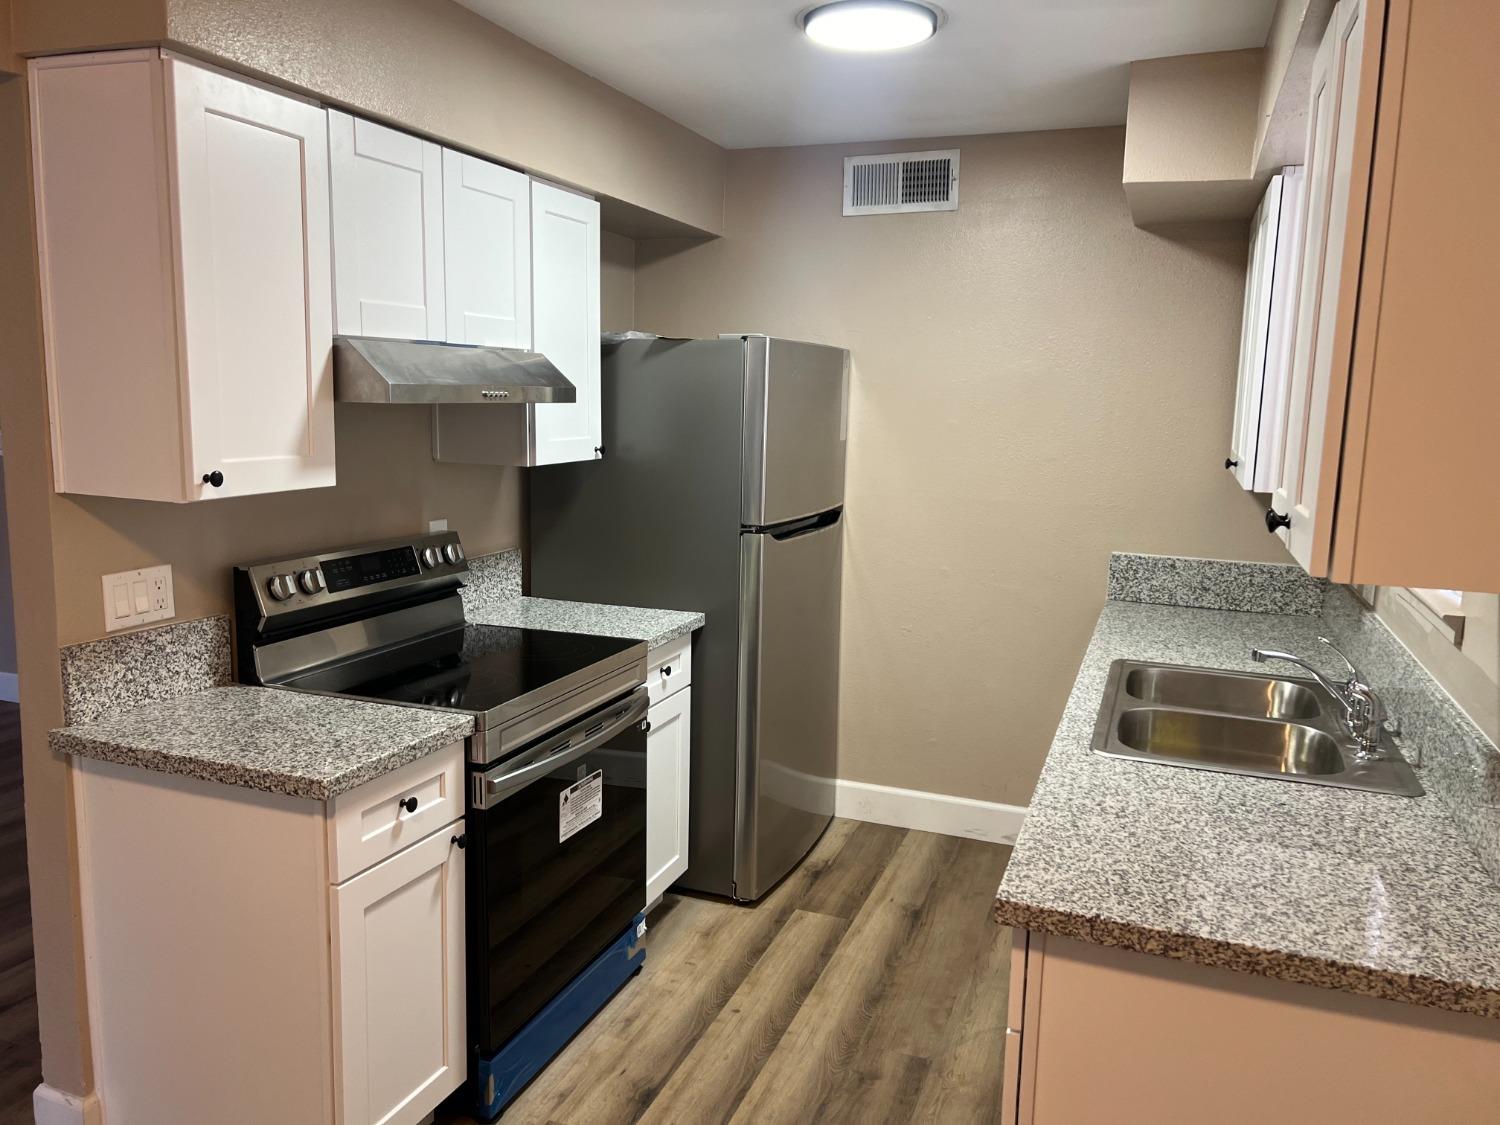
<point x="493" y="787"/>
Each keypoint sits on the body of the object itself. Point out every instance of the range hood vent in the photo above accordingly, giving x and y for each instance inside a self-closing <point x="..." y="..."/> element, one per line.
<point x="368" y="369"/>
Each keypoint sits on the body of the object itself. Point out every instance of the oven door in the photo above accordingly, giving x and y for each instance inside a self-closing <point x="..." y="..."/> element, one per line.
<point x="556" y="863"/>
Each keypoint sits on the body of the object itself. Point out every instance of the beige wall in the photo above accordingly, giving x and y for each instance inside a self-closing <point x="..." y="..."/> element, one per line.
<point x="1190" y="137"/>
<point x="437" y="68"/>
<point x="1036" y="382"/>
<point x="388" y="485"/>
<point x="50" y="852"/>
<point x="1286" y="76"/>
<point x="616" y="283"/>
<point x="7" y="603"/>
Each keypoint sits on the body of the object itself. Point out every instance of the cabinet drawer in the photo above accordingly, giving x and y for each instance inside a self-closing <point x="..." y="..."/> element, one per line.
<point x="367" y="824"/>
<point x="669" y="668"/>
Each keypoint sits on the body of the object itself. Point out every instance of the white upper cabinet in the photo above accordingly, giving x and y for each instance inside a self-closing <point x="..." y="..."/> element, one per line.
<point x="183" y="234"/>
<point x="564" y="309"/>
<point x="565" y="247"/>
<point x="487" y="243"/>
<point x="387" y="190"/>
<point x="1266" y="334"/>
<point x="1294" y="513"/>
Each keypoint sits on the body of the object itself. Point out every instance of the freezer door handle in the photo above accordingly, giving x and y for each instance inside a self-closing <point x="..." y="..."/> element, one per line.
<point x="790" y="529"/>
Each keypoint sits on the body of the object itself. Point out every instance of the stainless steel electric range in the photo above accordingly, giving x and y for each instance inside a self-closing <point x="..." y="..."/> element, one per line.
<point x="555" y="830"/>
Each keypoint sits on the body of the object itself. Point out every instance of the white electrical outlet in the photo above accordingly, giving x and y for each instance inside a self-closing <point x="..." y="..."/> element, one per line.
<point x="436" y="525"/>
<point x="137" y="597"/>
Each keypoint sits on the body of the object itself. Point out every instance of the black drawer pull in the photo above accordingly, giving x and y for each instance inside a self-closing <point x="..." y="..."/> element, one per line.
<point x="408" y="803"/>
<point x="1275" y="519"/>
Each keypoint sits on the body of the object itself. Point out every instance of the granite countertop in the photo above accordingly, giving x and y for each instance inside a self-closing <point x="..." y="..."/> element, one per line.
<point x="289" y="742"/>
<point x="1364" y="892"/>
<point x="654" y="626"/>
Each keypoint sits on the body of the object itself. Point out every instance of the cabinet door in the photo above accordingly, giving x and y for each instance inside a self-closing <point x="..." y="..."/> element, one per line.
<point x="398" y="952"/>
<point x="1286" y="265"/>
<point x="387" y="190"/>
<point x="1250" y="389"/>
<point x="1314" y="383"/>
<point x="668" y="760"/>
<point x="565" y="292"/>
<point x="251" y="192"/>
<point x="487" y="248"/>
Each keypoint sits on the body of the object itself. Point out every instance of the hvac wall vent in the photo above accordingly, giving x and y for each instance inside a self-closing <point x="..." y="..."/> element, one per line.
<point x="895" y="182"/>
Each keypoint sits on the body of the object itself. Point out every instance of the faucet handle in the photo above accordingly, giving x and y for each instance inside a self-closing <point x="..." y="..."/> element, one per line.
<point x="1354" y="674"/>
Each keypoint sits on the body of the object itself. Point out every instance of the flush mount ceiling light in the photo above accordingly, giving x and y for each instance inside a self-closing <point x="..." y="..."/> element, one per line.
<point x="870" y="25"/>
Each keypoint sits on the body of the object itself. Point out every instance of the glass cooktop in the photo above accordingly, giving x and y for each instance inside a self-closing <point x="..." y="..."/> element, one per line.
<point x="478" y="669"/>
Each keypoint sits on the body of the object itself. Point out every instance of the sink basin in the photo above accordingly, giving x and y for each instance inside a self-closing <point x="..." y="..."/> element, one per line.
<point x="1229" y="742"/>
<point x="1260" y="697"/>
<point x="1239" y="722"/>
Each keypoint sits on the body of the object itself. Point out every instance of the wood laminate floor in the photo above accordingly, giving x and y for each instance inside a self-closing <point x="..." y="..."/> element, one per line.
<point x="869" y="987"/>
<point x="20" y="1051"/>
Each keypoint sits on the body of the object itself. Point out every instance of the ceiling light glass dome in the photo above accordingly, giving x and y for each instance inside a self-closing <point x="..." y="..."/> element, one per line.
<point x="870" y="25"/>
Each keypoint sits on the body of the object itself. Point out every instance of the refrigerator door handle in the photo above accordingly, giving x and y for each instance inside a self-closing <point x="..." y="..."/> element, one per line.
<point x="790" y="529"/>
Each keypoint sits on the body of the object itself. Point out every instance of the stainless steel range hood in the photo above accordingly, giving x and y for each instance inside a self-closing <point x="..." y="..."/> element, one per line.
<point x="368" y="369"/>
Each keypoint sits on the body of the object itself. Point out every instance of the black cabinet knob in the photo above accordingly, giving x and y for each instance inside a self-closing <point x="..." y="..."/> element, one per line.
<point x="666" y="669"/>
<point x="214" y="478"/>
<point x="1275" y="519"/>
<point x="646" y="726"/>
<point x="408" y="803"/>
<point x="598" y="451"/>
<point x="460" y="841"/>
<point x="1230" y="463"/>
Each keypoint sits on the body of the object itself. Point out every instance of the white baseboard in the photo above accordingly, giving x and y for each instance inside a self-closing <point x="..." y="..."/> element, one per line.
<point x="54" y="1107"/>
<point x="929" y="812"/>
<point x="10" y="688"/>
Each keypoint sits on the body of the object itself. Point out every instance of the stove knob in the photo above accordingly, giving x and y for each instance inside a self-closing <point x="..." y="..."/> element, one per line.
<point x="453" y="553"/>
<point x="282" y="586"/>
<point x="311" y="580"/>
<point x="430" y="557"/>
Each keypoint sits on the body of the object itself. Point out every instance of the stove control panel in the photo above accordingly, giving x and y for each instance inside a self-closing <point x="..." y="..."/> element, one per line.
<point x="301" y="585"/>
<point x="371" y="568"/>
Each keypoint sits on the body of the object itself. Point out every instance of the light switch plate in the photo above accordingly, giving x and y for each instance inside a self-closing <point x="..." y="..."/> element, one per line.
<point x="123" y="590"/>
<point x="436" y="525"/>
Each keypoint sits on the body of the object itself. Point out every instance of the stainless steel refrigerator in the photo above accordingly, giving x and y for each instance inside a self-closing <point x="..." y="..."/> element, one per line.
<point x="721" y="489"/>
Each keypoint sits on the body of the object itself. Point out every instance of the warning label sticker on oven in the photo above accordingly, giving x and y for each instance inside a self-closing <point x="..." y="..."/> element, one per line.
<point x="580" y="805"/>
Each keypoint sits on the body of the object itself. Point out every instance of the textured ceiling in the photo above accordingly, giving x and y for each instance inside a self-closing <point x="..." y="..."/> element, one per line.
<point x="741" y="72"/>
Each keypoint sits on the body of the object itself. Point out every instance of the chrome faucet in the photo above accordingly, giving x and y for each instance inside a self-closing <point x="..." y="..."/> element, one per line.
<point x="1364" y="713"/>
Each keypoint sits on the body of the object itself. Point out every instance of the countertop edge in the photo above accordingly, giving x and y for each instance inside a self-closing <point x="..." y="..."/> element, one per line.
<point x="64" y="740"/>
<point x="1406" y="988"/>
<point x="1322" y="969"/>
<point x="513" y="612"/>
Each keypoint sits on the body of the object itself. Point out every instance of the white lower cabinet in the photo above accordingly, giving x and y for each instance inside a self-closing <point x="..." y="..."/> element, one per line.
<point x="399" y="974"/>
<point x="667" y="771"/>
<point x="251" y="957"/>
<point x="668" y="765"/>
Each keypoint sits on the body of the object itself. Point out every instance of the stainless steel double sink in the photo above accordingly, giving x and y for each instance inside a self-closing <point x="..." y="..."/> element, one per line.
<point x="1240" y="722"/>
